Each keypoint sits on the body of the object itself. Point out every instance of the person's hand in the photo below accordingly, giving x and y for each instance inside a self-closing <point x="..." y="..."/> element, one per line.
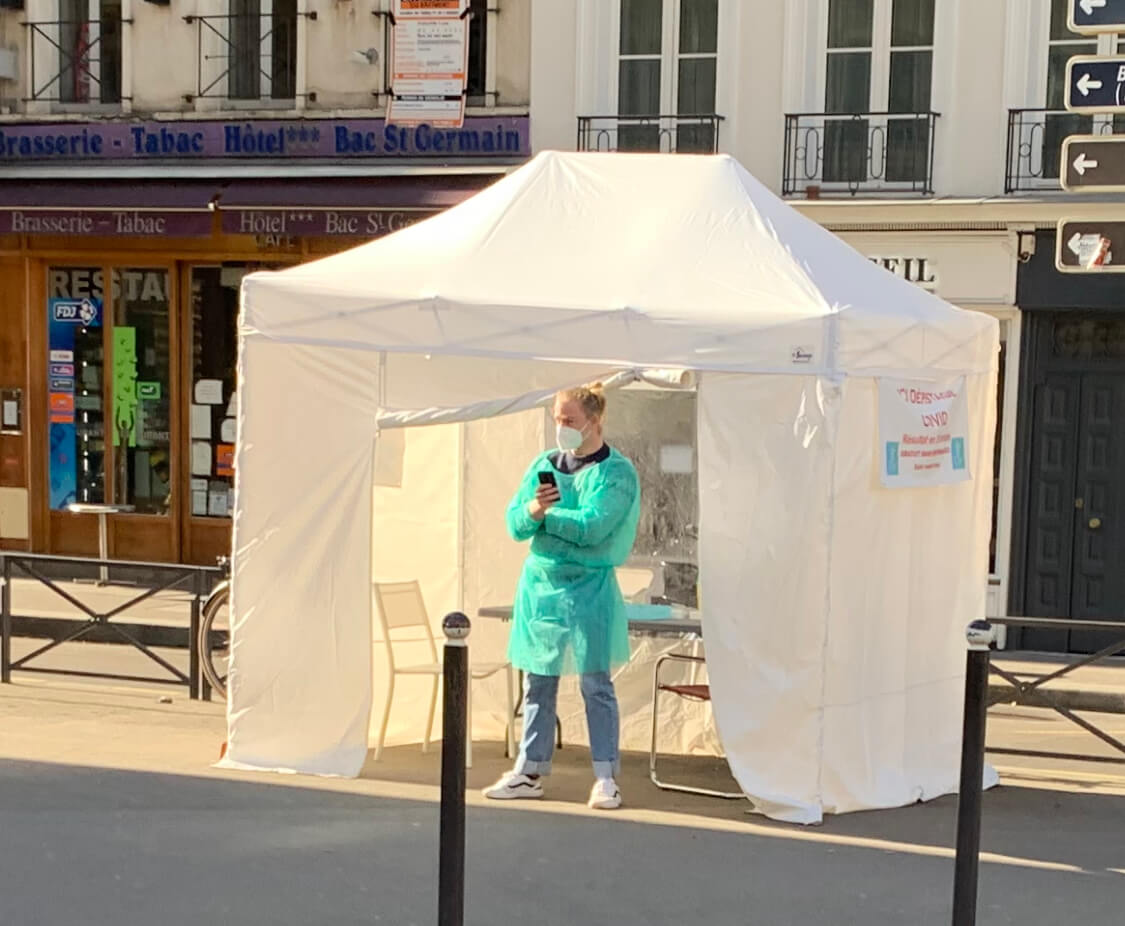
<point x="545" y="497"/>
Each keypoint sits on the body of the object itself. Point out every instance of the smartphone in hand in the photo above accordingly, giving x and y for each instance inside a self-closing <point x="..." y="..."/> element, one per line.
<point x="547" y="479"/>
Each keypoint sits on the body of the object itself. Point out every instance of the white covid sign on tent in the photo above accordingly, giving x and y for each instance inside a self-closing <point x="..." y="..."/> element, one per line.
<point x="923" y="433"/>
<point x="429" y="63"/>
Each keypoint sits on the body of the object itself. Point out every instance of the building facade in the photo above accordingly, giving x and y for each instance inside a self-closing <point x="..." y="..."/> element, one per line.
<point x="153" y="153"/>
<point x="926" y="133"/>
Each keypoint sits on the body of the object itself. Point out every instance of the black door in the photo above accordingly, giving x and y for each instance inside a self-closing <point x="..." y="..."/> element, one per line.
<point x="1075" y="560"/>
<point x="1098" y="591"/>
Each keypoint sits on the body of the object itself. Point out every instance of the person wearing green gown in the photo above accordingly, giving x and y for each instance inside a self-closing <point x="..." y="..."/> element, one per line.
<point x="579" y="507"/>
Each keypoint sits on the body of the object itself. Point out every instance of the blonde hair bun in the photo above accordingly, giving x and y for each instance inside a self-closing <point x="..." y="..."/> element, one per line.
<point x="591" y="397"/>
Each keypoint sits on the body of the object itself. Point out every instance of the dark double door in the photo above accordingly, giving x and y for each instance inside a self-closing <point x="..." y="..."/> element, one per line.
<point x="1075" y="554"/>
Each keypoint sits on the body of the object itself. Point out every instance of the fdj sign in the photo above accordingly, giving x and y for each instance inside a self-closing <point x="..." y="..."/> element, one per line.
<point x="81" y="311"/>
<point x="1095" y="85"/>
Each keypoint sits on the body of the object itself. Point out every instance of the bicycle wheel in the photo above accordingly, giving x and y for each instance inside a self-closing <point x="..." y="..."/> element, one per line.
<point x="214" y="638"/>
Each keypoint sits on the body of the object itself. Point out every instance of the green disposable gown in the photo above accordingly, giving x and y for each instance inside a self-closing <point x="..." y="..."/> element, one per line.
<point x="569" y="616"/>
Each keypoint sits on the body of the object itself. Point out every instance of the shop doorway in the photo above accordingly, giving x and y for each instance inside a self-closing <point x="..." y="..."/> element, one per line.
<point x="1076" y="479"/>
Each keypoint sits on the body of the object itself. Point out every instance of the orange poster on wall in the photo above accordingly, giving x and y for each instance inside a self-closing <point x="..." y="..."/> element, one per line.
<point x="224" y="459"/>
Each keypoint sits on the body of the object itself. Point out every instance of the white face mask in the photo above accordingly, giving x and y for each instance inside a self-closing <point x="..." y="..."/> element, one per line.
<point x="568" y="439"/>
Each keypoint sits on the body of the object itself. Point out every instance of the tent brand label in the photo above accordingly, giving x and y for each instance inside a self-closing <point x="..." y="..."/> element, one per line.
<point x="801" y="355"/>
<point x="923" y="433"/>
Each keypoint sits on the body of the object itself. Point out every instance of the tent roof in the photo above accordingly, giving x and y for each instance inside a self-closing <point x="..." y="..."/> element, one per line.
<point x="623" y="259"/>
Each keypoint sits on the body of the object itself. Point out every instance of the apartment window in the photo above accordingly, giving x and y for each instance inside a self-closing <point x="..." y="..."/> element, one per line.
<point x="667" y="65"/>
<point x="262" y="44"/>
<point x="476" y="84"/>
<point x="879" y="59"/>
<point x="76" y="58"/>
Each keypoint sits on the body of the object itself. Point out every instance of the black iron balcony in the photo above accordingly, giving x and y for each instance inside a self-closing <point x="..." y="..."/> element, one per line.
<point x="75" y="61"/>
<point x="1035" y="139"/>
<point x="247" y="56"/>
<point x="661" y="134"/>
<point x="859" y="153"/>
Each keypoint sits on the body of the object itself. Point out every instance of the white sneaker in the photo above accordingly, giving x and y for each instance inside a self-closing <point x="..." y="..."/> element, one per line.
<point x="605" y="795"/>
<point x="514" y="786"/>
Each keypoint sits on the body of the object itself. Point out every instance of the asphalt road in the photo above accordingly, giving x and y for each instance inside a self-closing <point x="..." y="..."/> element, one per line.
<point x="110" y="814"/>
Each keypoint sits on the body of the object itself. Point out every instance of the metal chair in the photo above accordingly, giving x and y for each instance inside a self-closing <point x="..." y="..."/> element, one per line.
<point x="400" y="607"/>
<point x="691" y="692"/>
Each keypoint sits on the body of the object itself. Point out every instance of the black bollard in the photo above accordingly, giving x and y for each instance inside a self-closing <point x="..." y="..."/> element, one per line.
<point x="981" y="635"/>
<point x="451" y="857"/>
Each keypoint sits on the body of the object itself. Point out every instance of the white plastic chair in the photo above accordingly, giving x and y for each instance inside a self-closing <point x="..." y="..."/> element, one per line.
<point x="400" y="606"/>
<point x="636" y="583"/>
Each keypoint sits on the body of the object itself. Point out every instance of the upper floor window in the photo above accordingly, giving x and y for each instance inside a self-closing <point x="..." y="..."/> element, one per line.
<point x="879" y="60"/>
<point x="667" y="66"/>
<point x="262" y="40"/>
<point x="76" y="58"/>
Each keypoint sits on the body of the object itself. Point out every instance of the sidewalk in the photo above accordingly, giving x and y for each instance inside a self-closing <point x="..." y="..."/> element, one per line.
<point x="113" y="815"/>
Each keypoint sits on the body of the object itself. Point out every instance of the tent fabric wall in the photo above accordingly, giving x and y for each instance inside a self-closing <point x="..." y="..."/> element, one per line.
<point x="300" y="689"/>
<point x="900" y="601"/>
<point x="765" y="511"/>
<point x="848" y="651"/>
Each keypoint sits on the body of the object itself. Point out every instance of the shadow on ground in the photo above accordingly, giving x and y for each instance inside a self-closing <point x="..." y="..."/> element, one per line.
<point x="98" y="846"/>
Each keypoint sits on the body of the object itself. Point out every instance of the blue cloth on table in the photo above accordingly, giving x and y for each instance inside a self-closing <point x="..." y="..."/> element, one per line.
<point x="648" y="612"/>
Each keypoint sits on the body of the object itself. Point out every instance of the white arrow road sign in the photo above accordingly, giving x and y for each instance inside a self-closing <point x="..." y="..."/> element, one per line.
<point x="1086" y="83"/>
<point x="1088" y="6"/>
<point x="1083" y="164"/>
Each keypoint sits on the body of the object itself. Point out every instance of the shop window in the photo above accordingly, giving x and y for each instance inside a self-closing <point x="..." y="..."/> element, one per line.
<point x="214" y="403"/>
<point x="108" y="388"/>
<point x="75" y="387"/>
<point x="140" y="382"/>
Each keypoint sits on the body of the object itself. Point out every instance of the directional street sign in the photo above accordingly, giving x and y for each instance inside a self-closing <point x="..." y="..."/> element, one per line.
<point x="1095" y="85"/>
<point x="1093" y="16"/>
<point x="1090" y="247"/>
<point x="1093" y="164"/>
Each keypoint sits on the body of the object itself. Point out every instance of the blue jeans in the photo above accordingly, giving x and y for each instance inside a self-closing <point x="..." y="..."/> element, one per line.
<point x="540" y="694"/>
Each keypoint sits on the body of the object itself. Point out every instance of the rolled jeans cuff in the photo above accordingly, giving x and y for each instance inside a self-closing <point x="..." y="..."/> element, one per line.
<point x="606" y="769"/>
<point x="529" y="767"/>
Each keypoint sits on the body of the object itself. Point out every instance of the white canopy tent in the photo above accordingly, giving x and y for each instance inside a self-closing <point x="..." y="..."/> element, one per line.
<point x="833" y="608"/>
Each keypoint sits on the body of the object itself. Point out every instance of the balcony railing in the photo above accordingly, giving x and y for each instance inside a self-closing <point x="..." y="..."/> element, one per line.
<point x="859" y="152"/>
<point x="75" y="60"/>
<point x="661" y="134"/>
<point x="1035" y="138"/>
<point x="247" y="56"/>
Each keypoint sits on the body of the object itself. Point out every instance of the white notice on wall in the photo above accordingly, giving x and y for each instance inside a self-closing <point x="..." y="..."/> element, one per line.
<point x="217" y="502"/>
<point x="227" y="431"/>
<point x="429" y="62"/>
<point x="11" y="414"/>
<point x="923" y="433"/>
<point x="209" y="392"/>
<point x="200" y="458"/>
<point x="199" y="502"/>
<point x="200" y="422"/>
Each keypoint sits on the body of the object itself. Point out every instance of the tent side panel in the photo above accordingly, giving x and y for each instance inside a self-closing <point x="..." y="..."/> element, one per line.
<point x="301" y="611"/>
<point x="909" y="571"/>
<point x="765" y="451"/>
